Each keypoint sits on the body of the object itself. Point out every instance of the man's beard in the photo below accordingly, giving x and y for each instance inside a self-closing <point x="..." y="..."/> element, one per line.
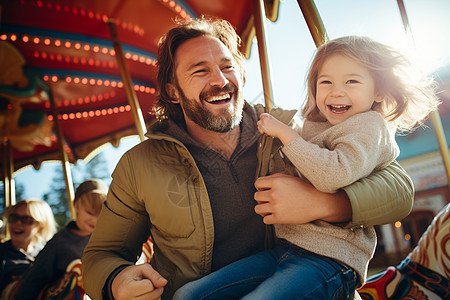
<point x="199" y="114"/>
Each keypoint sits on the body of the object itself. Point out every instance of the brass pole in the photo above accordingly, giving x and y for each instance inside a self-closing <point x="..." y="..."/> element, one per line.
<point x="314" y="21"/>
<point x="442" y="141"/>
<point x="405" y="21"/>
<point x="131" y="94"/>
<point x="263" y="50"/>
<point x="435" y="117"/>
<point x="8" y="169"/>
<point x="265" y="141"/>
<point x="64" y="157"/>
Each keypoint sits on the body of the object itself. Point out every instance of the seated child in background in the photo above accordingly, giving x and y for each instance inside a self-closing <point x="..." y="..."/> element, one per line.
<point x="68" y="244"/>
<point x="29" y="225"/>
<point x="359" y="93"/>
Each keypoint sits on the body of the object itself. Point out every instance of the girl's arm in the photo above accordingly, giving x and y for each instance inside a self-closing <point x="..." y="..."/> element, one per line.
<point x="341" y="154"/>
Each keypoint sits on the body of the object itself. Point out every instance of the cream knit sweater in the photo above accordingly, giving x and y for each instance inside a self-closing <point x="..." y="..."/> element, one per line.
<point x="331" y="157"/>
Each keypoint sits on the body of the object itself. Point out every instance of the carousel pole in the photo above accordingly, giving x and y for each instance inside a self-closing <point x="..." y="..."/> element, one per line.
<point x="435" y="117"/>
<point x="64" y="156"/>
<point x="443" y="146"/>
<point x="131" y="94"/>
<point x="265" y="142"/>
<point x="314" y="21"/>
<point x="9" y="186"/>
<point x="8" y="170"/>
<point x="263" y="50"/>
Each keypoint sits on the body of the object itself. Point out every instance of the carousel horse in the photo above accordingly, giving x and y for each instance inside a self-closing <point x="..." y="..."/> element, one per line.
<point x="69" y="287"/>
<point x="423" y="274"/>
<point x="22" y="118"/>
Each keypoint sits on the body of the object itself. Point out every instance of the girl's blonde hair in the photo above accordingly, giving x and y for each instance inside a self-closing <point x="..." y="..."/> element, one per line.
<point x="408" y="97"/>
<point x="42" y="213"/>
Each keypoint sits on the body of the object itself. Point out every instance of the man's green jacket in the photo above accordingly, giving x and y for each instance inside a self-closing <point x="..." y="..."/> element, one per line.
<point x="157" y="189"/>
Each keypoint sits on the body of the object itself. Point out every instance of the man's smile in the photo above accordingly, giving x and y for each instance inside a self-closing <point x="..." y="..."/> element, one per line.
<point x="219" y="99"/>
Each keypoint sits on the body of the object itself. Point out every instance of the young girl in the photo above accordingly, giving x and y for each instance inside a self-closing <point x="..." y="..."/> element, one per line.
<point x="359" y="93"/>
<point x="68" y="244"/>
<point x="30" y="224"/>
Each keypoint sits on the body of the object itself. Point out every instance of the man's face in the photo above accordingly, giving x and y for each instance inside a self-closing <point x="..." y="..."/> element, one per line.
<point x="208" y="85"/>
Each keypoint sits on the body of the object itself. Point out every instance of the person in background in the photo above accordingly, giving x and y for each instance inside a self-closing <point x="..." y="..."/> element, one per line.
<point x="191" y="184"/>
<point x="359" y="93"/>
<point x="68" y="244"/>
<point x="29" y="225"/>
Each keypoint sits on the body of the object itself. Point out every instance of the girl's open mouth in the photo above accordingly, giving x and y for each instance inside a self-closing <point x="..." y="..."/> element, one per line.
<point x="339" y="109"/>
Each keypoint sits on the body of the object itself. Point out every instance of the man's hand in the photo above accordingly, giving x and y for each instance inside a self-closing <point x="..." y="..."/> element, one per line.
<point x="285" y="199"/>
<point x="138" y="282"/>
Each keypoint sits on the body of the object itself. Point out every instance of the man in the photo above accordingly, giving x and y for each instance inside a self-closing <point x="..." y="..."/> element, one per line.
<point x="191" y="184"/>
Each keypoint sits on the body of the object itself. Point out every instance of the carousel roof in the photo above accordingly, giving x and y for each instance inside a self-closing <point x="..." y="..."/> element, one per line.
<point x="66" y="51"/>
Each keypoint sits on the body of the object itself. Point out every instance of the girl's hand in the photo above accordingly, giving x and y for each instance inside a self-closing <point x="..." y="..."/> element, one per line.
<point x="270" y="126"/>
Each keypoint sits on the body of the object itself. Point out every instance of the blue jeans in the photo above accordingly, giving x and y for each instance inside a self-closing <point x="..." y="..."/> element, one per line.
<point x="285" y="272"/>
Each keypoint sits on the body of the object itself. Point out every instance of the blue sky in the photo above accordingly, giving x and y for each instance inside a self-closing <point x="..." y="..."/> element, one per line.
<point x="291" y="49"/>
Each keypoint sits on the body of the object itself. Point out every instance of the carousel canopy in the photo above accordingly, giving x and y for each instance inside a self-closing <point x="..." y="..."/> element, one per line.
<point x="64" y="50"/>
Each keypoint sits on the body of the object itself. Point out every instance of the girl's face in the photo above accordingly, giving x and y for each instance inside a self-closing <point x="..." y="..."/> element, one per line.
<point x="85" y="220"/>
<point x="344" y="88"/>
<point x="22" y="227"/>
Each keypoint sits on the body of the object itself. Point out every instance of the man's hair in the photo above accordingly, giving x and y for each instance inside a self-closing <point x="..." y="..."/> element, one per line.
<point x="408" y="96"/>
<point x="168" y="45"/>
